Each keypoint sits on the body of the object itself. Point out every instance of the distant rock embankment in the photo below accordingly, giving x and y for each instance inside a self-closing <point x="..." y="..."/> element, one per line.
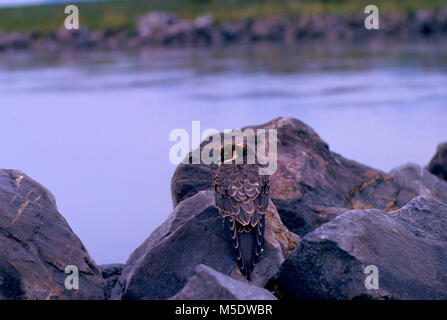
<point x="165" y="29"/>
<point x="328" y="220"/>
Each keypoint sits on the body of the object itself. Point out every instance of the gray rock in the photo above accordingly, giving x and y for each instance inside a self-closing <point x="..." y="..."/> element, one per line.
<point x="204" y="30"/>
<point x="413" y="178"/>
<point x="233" y="31"/>
<point x="17" y="40"/>
<point x="313" y="184"/>
<point x="111" y="273"/>
<point x="393" y="22"/>
<point x="438" y="164"/>
<point x="267" y="29"/>
<point x="192" y="235"/>
<point x="208" y="284"/>
<point x="205" y="21"/>
<point x="37" y="244"/>
<point x="408" y="246"/>
<point x="441" y="20"/>
<point x="153" y="25"/>
<point x="3" y="44"/>
<point x="161" y="28"/>
<point x="424" y="21"/>
<point x="179" y="33"/>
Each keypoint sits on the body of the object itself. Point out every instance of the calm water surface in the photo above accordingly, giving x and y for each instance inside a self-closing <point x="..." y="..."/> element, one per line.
<point x="93" y="127"/>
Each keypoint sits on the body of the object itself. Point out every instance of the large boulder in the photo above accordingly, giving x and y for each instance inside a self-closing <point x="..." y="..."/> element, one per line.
<point x="208" y="284"/>
<point x="312" y="185"/>
<point x="37" y="244"/>
<point x="438" y="164"/>
<point x="192" y="235"/>
<point x="408" y="247"/>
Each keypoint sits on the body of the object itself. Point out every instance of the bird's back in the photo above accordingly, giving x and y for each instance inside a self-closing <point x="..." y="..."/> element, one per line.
<point x="242" y="197"/>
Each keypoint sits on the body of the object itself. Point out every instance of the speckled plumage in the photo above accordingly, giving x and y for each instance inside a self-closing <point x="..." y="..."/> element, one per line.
<point x="242" y="197"/>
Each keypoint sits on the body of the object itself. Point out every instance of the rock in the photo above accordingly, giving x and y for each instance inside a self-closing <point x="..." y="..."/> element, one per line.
<point x="424" y="20"/>
<point x="408" y="246"/>
<point x="192" y="235"/>
<point x="233" y="31"/>
<point x="64" y="35"/>
<point x="153" y="25"/>
<point x="441" y="19"/>
<point x="205" y="21"/>
<point x="438" y="164"/>
<point x="299" y="29"/>
<point x="116" y="41"/>
<point x="111" y="273"/>
<point x="393" y="22"/>
<point x="3" y="43"/>
<point x="161" y="28"/>
<point x="37" y="244"/>
<point x="17" y="40"/>
<point x="179" y="33"/>
<point x="165" y="29"/>
<point x="312" y="185"/>
<point x="203" y="30"/>
<point x="87" y="39"/>
<point x="267" y="29"/>
<point x="208" y="284"/>
<point x="414" y="178"/>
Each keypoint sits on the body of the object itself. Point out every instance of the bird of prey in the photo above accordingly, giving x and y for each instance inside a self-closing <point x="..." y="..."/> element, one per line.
<point x="242" y="197"/>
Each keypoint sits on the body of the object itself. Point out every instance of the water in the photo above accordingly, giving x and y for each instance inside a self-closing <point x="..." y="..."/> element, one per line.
<point x="93" y="127"/>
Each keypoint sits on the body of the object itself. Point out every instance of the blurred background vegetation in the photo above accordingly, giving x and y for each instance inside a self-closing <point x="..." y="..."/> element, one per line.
<point x="123" y="14"/>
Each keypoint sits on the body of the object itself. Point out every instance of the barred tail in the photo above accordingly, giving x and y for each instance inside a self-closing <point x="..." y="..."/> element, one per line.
<point x="247" y="243"/>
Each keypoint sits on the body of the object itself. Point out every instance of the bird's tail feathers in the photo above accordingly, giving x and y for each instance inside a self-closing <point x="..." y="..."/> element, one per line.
<point x="246" y="243"/>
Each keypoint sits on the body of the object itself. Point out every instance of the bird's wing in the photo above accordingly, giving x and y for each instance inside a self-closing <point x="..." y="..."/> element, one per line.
<point x="241" y="193"/>
<point x="242" y="196"/>
<point x="259" y="239"/>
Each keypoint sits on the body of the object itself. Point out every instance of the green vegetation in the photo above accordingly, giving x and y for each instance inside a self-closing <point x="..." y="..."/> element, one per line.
<point x="122" y="14"/>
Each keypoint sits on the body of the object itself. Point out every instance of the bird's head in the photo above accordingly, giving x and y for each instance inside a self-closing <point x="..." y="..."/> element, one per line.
<point x="234" y="153"/>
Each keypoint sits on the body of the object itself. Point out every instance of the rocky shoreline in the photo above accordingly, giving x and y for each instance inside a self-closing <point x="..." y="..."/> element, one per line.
<point x="156" y="29"/>
<point x="328" y="219"/>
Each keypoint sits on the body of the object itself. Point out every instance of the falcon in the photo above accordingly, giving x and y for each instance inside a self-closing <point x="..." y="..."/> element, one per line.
<point x="242" y="197"/>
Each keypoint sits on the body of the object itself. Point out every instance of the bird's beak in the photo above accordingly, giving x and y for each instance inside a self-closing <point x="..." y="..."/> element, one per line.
<point x="235" y="155"/>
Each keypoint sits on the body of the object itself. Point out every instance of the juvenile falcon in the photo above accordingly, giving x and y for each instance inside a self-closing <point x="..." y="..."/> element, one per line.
<point x="242" y="197"/>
